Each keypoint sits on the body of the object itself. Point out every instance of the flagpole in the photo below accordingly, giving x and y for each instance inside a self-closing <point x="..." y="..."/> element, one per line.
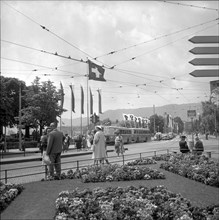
<point x="60" y="122"/>
<point x="87" y="98"/>
<point x="71" y="110"/>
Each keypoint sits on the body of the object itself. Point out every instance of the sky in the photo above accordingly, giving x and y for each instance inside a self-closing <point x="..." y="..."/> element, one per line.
<point x="147" y="43"/>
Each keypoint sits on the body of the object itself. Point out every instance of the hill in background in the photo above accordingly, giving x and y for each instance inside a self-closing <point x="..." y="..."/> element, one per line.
<point x="173" y="109"/>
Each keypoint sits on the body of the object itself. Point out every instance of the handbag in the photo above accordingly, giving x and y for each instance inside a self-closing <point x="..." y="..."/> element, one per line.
<point x="46" y="159"/>
<point x="92" y="147"/>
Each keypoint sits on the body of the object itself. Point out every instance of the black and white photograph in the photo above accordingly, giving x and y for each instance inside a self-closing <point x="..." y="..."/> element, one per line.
<point x="109" y="110"/>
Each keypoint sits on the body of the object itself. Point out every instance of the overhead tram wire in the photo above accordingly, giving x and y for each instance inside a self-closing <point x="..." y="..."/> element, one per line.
<point x="43" y="51"/>
<point x="62" y="56"/>
<point x="68" y="57"/>
<point x="193" y="6"/>
<point x="50" y="32"/>
<point x="140" y="55"/>
<point x="46" y="29"/>
<point x="50" y="68"/>
<point x="154" y="39"/>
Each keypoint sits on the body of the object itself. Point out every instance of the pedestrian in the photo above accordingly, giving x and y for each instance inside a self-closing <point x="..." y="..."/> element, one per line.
<point x="44" y="146"/>
<point x="43" y="141"/>
<point x="183" y="146"/>
<point x="206" y="135"/>
<point x="66" y="143"/>
<point x="119" y="145"/>
<point x="54" y="149"/>
<point x="84" y="142"/>
<point x="78" y="142"/>
<point x="99" y="143"/>
<point x="199" y="147"/>
<point x="89" y="138"/>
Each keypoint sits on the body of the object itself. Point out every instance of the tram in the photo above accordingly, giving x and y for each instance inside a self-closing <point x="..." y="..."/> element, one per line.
<point x="129" y="135"/>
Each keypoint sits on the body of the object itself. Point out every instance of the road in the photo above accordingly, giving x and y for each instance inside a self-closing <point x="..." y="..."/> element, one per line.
<point x="134" y="151"/>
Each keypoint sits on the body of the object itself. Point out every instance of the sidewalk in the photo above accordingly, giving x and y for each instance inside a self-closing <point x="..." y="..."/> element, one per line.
<point x="33" y="154"/>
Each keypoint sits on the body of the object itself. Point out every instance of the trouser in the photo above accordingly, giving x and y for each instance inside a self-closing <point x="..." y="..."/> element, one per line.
<point x="55" y="163"/>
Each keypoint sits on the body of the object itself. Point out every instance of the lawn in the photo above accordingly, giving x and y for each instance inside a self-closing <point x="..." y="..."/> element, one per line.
<point x="37" y="201"/>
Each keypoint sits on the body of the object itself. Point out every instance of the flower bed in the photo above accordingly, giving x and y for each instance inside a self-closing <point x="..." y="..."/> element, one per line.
<point x="142" y="161"/>
<point x="119" y="173"/>
<point x="129" y="203"/>
<point x="164" y="157"/>
<point x="113" y="172"/>
<point x="198" y="168"/>
<point x="8" y="192"/>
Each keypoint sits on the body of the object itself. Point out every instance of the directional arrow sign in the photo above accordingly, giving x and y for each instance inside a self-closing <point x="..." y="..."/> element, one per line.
<point x="205" y="73"/>
<point x="204" y="39"/>
<point x="205" y="50"/>
<point x="205" y="62"/>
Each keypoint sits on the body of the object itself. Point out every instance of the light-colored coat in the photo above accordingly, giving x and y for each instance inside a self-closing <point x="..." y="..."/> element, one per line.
<point x="99" y="146"/>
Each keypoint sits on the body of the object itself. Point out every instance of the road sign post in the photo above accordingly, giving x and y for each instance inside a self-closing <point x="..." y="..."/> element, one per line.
<point x="214" y="50"/>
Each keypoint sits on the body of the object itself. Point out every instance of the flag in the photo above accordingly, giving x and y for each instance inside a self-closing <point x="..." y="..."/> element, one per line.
<point x="72" y="100"/>
<point x="99" y="102"/>
<point x="91" y="103"/>
<point x="82" y="100"/>
<point x="131" y="117"/>
<point x="96" y="72"/>
<point x="62" y="95"/>
<point x="125" y="117"/>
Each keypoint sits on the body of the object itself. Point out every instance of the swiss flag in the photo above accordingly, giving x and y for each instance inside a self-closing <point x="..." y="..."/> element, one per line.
<point x="96" y="72"/>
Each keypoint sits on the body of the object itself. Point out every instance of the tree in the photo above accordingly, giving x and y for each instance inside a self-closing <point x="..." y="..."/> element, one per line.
<point x="210" y="117"/>
<point x="9" y="101"/>
<point x="180" y="123"/>
<point x="159" y="123"/>
<point x="42" y="104"/>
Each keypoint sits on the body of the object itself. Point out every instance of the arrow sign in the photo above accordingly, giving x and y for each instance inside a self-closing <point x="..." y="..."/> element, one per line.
<point x="205" y="62"/>
<point x="205" y="73"/>
<point x="205" y="50"/>
<point x="205" y="39"/>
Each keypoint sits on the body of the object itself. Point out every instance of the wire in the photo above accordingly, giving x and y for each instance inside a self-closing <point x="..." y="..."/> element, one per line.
<point x="46" y="29"/>
<point x="51" y="68"/>
<point x="140" y="55"/>
<point x="194" y="6"/>
<point x="43" y="51"/>
<point x="154" y="39"/>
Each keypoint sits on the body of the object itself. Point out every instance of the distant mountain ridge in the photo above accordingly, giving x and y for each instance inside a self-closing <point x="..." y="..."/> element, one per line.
<point x="172" y="109"/>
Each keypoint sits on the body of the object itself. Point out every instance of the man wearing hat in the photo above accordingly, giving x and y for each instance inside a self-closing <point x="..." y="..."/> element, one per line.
<point x="54" y="149"/>
<point x="99" y="145"/>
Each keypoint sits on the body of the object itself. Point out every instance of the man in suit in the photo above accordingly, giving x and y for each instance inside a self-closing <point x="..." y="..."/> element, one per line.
<point x="54" y="149"/>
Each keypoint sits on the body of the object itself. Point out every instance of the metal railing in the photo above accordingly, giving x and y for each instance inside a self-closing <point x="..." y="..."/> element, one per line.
<point x="77" y="164"/>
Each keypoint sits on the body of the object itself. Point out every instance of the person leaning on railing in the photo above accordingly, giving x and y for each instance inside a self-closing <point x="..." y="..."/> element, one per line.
<point x="183" y="146"/>
<point x="199" y="147"/>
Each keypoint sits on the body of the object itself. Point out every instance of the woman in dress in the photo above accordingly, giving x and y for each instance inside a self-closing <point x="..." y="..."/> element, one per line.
<point x="99" y="146"/>
<point x="119" y="146"/>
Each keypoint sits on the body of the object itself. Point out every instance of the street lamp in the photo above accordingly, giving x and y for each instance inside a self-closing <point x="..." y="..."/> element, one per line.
<point x="19" y="126"/>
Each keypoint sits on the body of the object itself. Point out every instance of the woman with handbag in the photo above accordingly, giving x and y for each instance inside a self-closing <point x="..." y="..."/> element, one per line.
<point x="45" y="158"/>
